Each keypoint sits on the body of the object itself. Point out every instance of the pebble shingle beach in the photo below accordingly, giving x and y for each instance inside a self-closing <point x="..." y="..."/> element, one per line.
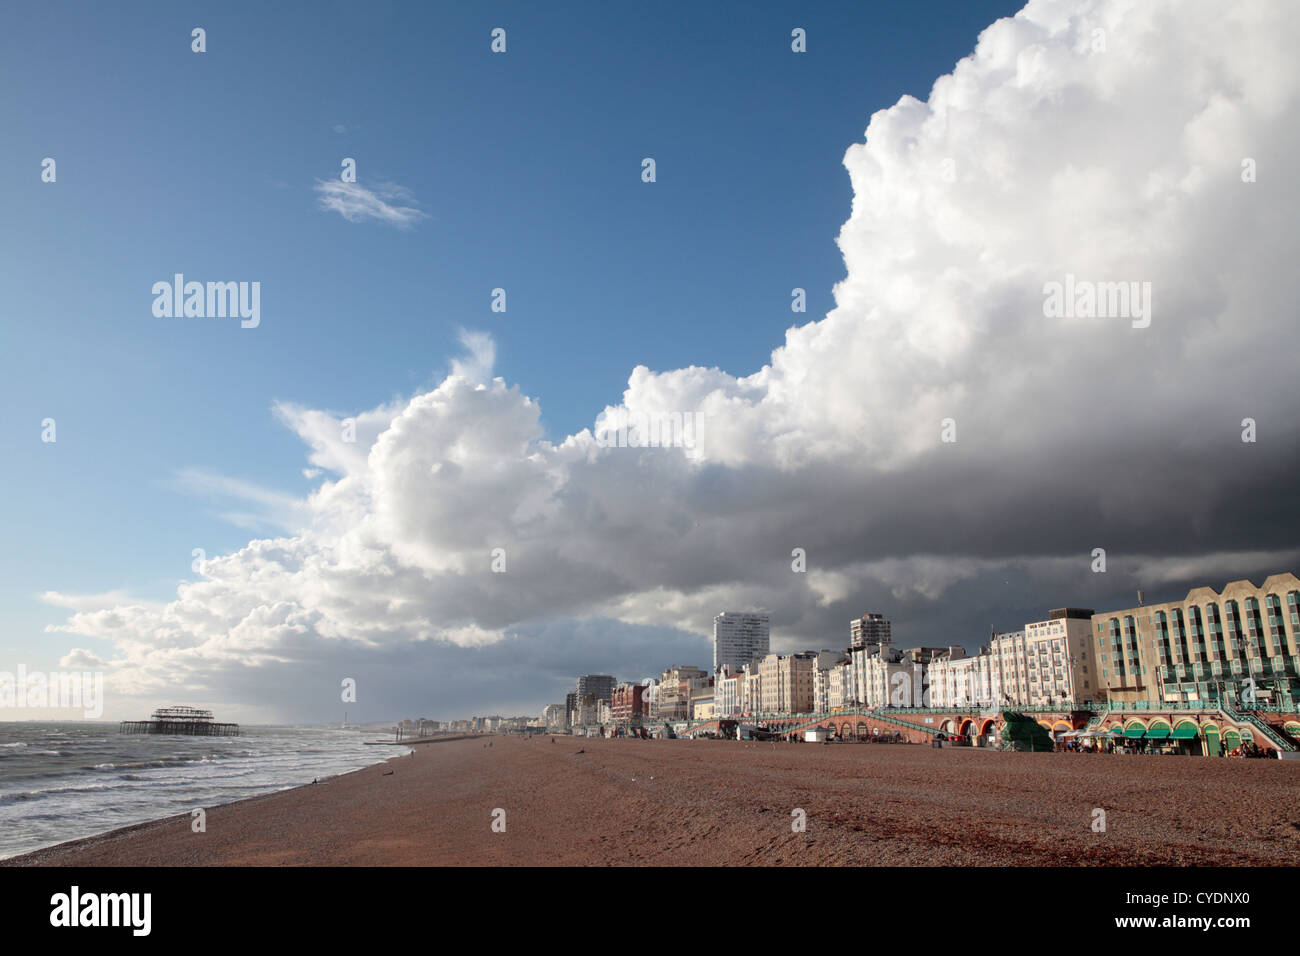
<point x="706" y="802"/>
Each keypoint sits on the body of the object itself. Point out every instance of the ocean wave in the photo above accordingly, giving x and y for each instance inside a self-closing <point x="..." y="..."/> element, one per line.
<point x="25" y="795"/>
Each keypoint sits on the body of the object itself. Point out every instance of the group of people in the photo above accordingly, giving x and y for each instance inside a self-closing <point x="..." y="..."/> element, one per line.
<point x="1251" y="750"/>
<point x="1103" y="746"/>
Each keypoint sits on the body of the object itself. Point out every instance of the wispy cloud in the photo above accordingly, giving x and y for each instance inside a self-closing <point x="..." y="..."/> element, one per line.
<point x="84" y="602"/>
<point x="481" y="356"/>
<point x="386" y="202"/>
<point x="271" y="509"/>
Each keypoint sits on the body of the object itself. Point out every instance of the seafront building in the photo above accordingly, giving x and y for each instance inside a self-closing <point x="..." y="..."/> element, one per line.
<point x="628" y="703"/>
<point x="957" y="679"/>
<point x="884" y="676"/>
<point x="1009" y="663"/>
<point x="1239" y="645"/>
<point x="649" y="696"/>
<point x="751" y="690"/>
<point x="675" y="687"/>
<point x="739" y="638"/>
<point x="786" y="683"/>
<point x="1046" y="664"/>
<point x="554" y="717"/>
<point x="832" y="681"/>
<point x="728" y="692"/>
<point x="703" y="704"/>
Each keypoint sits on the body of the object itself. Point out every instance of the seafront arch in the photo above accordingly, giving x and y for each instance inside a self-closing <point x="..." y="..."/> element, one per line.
<point x="1211" y="736"/>
<point x="1134" y="730"/>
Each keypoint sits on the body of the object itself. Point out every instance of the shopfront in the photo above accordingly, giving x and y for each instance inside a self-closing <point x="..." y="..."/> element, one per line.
<point x="1186" y="739"/>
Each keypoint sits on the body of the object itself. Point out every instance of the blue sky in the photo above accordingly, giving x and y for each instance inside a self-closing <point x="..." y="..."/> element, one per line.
<point x="527" y="165"/>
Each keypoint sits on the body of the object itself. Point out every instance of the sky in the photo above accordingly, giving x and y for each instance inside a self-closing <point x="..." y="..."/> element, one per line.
<point x="939" y="444"/>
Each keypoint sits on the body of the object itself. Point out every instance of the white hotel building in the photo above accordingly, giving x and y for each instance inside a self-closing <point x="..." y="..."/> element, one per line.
<point x="1047" y="664"/>
<point x="958" y="680"/>
<point x="1057" y="652"/>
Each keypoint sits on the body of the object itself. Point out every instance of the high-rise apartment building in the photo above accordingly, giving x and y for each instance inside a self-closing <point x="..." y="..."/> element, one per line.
<point x="739" y="638"/>
<point x="599" y="686"/>
<point x="870" y="629"/>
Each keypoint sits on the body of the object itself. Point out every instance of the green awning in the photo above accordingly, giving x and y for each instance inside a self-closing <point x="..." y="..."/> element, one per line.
<point x="1158" y="732"/>
<point x="1137" y="730"/>
<point x="1185" y="732"/>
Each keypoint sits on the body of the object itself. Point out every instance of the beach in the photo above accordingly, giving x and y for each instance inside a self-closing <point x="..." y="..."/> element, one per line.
<point x="730" y="803"/>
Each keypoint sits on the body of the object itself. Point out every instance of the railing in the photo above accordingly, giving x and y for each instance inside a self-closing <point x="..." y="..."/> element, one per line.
<point x="1247" y="718"/>
<point x="898" y="714"/>
<point x="1206" y="705"/>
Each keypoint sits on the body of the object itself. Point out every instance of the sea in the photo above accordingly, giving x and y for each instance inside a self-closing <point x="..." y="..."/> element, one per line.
<point x="64" y="781"/>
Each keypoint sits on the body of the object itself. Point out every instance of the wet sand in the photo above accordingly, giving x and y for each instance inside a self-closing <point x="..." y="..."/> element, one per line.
<point x="705" y="802"/>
